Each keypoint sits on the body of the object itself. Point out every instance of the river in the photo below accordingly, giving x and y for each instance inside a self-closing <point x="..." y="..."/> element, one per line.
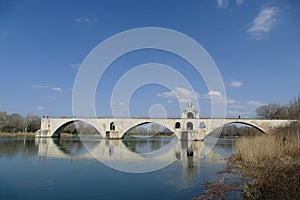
<point x="46" y="168"/>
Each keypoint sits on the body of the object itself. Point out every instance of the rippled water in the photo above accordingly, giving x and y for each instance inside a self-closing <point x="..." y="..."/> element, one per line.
<point x="46" y="168"/>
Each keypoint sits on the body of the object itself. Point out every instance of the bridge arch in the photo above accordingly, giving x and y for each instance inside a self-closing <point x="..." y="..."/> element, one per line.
<point x="202" y="124"/>
<point x="220" y="128"/>
<point x="189" y="126"/>
<point x="190" y="115"/>
<point x="147" y="122"/>
<point x="247" y="123"/>
<point x="56" y="132"/>
<point x="177" y="125"/>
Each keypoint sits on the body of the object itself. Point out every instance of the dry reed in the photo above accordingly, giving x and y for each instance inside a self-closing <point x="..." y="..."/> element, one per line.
<point x="270" y="165"/>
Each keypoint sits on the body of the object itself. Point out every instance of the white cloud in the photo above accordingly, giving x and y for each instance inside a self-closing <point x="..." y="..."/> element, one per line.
<point x="238" y="106"/>
<point x="222" y="3"/>
<point x="230" y="101"/>
<point x="254" y="103"/>
<point x="211" y="94"/>
<point x="263" y="22"/>
<point x="86" y="20"/>
<point x="56" y="89"/>
<point x="166" y="95"/>
<point x="76" y="66"/>
<point x="234" y="113"/>
<point x="239" y="2"/>
<point x="215" y="96"/>
<point x="184" y="95"/>
<point x="119" y="104"/>
<point x="244" y="110"/>
<point x="225" y="3"/>
<point x="214" y="93"/>
<point x="40" y="86"/>
<point x="51" y="97"/>
<point x="236" y="84"/>
<point x="40" y="107"/>
<point x="169" y="101"/>
<point x="218" y="97"/>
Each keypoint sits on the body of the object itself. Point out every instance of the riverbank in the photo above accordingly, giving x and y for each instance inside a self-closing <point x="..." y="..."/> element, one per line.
<point x="31" y="134"/>
<point x="18" y="134"/>
<point x="269" y="166"/>
<point x="262" y="167"/>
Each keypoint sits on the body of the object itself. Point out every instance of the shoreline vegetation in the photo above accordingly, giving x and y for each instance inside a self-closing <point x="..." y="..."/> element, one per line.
<point x="18" y="134"/>
<point x="262" y="167"/>
<point x="270" y="164"/>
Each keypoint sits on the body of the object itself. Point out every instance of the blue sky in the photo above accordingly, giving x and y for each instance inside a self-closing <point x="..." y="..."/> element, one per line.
<point x="255" y="45"/>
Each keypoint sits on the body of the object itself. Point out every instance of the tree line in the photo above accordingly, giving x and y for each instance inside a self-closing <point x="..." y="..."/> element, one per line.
<point x="15" y="122"/>
<point x="233" y="130"/>
<point x="149" y="129"/>
<point x="269" y="111"/>
<point x="277" y="111"/>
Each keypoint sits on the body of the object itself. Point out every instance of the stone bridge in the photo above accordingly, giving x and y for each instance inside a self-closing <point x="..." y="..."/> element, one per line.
<point x="189" y="127"/>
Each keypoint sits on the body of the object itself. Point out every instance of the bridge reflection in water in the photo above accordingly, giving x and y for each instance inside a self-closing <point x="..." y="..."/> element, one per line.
<point x="132" y="155"/>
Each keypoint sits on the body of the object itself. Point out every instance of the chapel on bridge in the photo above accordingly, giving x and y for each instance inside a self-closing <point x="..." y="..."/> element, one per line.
<point x="190" y="112"/>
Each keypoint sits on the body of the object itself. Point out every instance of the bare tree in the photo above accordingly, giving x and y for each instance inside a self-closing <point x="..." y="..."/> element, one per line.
<point x="229" y="130"/>
<point x="16" y="122"/>
<point x="293" y="109"/>
<point x="154" y="128"/>
<point x="31" y="123"/>
<point x="3" y="118"/>
<point x="271" y="111"/>
<point x="276" y="111"/>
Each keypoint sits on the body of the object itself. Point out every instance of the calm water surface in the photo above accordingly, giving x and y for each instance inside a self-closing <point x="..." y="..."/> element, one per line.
<point x="63" y="169"/>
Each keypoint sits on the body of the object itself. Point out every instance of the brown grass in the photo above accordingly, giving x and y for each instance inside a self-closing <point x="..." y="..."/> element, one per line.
<point x="270" y="164"/>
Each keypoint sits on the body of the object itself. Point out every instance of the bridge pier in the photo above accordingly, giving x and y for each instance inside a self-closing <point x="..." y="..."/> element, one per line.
<point x="193" y="135"/>
<point x="113" y="135"/>
<point x="43" y="134"/>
